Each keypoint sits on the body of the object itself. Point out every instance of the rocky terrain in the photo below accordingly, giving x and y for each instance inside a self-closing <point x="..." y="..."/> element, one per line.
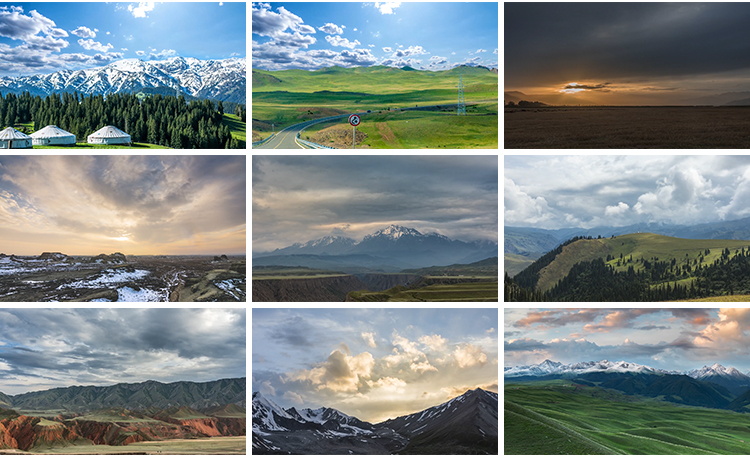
<point x="115" y="427"/>
<point x="54" y="276"/>
<point x="122" y="414"/>
<point x="467" y="424"/>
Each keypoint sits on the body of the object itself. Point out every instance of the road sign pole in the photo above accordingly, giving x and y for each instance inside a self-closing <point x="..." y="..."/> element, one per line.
<point x="354" y="121"/>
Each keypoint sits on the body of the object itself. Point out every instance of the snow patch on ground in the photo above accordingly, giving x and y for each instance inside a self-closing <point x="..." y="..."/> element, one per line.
<point x="230" y="287"/>
<point x="143" y="295"/>
<point x="108" y="278"/>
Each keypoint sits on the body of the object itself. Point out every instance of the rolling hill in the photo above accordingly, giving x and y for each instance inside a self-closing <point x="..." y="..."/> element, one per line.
<point x="637" y="267"/>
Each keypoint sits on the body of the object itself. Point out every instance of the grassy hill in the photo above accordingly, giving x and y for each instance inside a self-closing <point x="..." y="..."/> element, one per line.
<point x="236" y="126"/>
<point x="634" y="247"/>
<point x="562" y="417"/>
<point x="290" y="96"/>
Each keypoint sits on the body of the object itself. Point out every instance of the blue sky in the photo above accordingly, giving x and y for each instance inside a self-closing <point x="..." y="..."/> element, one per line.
<point x="373" y="363"/>
<point x="671" y="339"/>
<point x="424" y="35"/>
<point x="39" y="38"/>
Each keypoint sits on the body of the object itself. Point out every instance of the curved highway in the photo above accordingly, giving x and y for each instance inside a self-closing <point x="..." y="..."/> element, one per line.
<point x="285" y="139"/>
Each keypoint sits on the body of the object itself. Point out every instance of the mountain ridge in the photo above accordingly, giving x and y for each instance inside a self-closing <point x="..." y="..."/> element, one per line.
<point x="223" y="79"/>
<point x="134" y="396"/>
<point x="462" y="429"/>
<point x="394" y="246"/>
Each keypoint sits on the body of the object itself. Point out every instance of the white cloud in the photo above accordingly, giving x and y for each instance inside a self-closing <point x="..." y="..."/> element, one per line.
<point x="387" y="7"/>
<point x="330" y="28"/>
<point x="338" y="41"/>
<point x="520" y="207"/>
<point x="433" y="342"/>
<point x="621" y="208"/>
<point x="495" y="52"/>
<point x="481" y="50"/>
<point x="141" y="10"/>
<point x="387" y="49"/>
<point x="124" y="49"/>
<point x="162" y="54"/>
<point x="469" y="355"/>
<point x="271" y="24"/>
<point x="410" y="51"/>
<point x="140" y="53"/>
<point x="90" y="44"/>
<point x="293" y="397"/>
<point x="369" y="338"/>
<point x="84" y="32"/>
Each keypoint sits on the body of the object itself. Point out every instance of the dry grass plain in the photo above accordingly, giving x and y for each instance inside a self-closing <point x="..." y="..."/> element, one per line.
<point x="627" y="127"/>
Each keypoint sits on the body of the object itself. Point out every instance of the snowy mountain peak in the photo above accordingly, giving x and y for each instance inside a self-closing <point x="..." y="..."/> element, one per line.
<point x="548" y="367"/>
<point x="394" y="232"/>
<point x="715" y="370"/>
<point x="218" y="79"/>
<point x="328" y="240"/>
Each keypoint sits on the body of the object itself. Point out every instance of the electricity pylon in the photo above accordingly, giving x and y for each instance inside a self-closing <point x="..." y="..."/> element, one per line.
<point x="461" y="101"/>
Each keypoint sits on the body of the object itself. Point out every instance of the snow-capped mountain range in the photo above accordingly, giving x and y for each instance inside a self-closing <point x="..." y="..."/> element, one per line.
<point x="278" y="430"/>
<point x="396" y="242"/>
<point x="548" y="367"/>
<point x="216" y="79"/>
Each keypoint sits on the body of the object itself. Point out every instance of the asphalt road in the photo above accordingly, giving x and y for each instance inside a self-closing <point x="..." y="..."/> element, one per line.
<point x="285" y="139"/>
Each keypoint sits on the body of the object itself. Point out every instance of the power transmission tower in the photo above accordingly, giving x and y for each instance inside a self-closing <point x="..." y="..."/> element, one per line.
<point x="461" y="101"/>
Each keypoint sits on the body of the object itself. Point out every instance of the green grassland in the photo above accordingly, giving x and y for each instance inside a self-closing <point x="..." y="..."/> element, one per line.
<point x="291" y="96"/>
<point x="483" y="268"/>
<point x="283" y="272"/>
<point x="560" y="417"/>
<point x="215" y="445"/>
<point x="636" y="246"/>
<point x="236" y="126"/>
<point x="423" y="129"/>
<point x="483" y="291"/>
<point x="86" y="145"/>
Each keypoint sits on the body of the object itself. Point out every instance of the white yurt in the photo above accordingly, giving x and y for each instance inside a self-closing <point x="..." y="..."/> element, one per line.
<point x="11" y="138"/>
<point x="108" y="135"/>
<point x="53" y="135"/>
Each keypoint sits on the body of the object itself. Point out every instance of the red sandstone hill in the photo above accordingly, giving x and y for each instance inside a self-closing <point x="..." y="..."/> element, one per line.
<point x="115" y="427"/>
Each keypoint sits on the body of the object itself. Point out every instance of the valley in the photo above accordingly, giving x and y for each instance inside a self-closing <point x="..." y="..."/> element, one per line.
<point x="625" y="408"/>
<point x="54" y="276"/>
<point x="380" y="267"/>
<point x="466" y="424"/>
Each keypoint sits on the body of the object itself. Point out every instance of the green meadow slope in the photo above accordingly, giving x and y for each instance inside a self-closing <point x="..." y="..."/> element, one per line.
<point x="560" y="417"/>
<point x="634" y="248"/>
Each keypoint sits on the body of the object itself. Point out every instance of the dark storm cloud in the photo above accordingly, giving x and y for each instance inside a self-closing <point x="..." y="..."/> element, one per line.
<point x="43" y="348"/>
<point x="554" y="42"/>
<point x="300" y="198"/>
<point x="587" y="86"/>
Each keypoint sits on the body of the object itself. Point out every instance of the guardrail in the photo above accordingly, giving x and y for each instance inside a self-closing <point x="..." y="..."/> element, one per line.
<point x="317" y="145"/>
<point x="261" y="142"/>
<point x="312" y="145"/>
